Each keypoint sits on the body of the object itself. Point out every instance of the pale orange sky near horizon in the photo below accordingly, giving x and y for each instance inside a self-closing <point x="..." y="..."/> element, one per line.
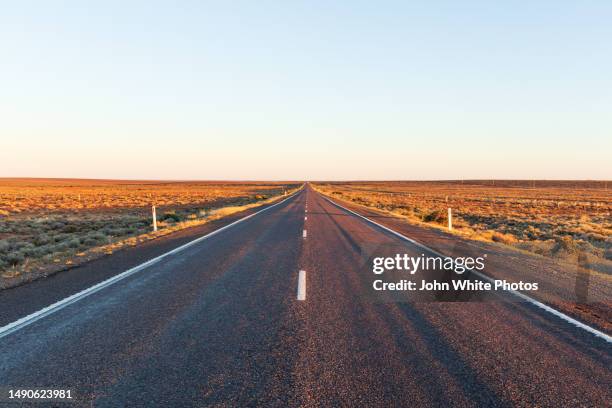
<point x="341" y="91"/>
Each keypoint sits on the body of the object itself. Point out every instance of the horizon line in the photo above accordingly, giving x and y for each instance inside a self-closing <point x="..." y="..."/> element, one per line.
<point x="295" y="180"/>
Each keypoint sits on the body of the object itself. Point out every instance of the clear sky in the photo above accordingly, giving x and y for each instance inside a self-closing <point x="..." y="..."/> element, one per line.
<point x="306" y="89"/>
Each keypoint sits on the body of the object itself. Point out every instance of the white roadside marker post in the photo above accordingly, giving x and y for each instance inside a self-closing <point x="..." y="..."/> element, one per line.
<point x="154" y="218"/>
<point x="450" y="219"/>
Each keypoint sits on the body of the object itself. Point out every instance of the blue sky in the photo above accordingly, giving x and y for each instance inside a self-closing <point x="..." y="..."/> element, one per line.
<point x="306" y="90"/>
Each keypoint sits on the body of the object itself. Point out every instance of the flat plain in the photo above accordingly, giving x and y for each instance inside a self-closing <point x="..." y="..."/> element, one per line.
<point x="565" y="220"/>
<point x="48" y="225"/>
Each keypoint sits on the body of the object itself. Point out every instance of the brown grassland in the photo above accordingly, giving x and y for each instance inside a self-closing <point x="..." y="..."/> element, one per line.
<point x="566" y="220"/>
<point x="50" y="224"/>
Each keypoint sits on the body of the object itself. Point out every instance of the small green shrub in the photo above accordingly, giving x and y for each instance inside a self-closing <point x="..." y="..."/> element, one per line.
<point x="170" y="217"/>
<point x="565" y="245"/>
<point x="14" y="258"/>
<point x="74" y="243"/>
<point x="437" y="216"/>
<point x="42" y="239"/>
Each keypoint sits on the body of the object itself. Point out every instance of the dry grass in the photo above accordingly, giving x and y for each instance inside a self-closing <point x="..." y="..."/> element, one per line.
<point x="562" y="219"/>
<point x="48" y="224"/>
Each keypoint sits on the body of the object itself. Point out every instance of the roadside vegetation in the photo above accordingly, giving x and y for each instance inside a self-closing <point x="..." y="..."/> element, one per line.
<point x="49" y="225"/>
<point x="565" y="220"/>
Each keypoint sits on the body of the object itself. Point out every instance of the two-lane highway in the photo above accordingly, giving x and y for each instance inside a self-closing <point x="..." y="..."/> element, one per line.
<point x="222" y="323"/>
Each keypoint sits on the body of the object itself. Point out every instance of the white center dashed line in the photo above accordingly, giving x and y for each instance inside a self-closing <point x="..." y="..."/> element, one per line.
<point x="304" y="234"/>
<point x="301" y="291"/>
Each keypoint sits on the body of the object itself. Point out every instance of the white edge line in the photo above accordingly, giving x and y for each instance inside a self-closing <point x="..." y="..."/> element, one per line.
<point x="33" y="317"/>
<point x="301" y="291"/>
<point x="537" y="303"/>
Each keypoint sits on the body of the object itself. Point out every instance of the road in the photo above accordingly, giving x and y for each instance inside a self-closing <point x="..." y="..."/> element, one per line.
<point x="220" y="324"/>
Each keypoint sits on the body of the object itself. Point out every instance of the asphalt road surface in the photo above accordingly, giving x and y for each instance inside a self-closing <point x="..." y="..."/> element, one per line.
<point x="220" y="324"/>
